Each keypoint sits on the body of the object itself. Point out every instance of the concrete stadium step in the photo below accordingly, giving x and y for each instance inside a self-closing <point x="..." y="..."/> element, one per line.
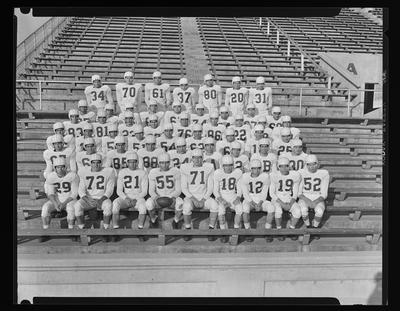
<point x="339" y="150"/>
<point x="354" y="201"/>
<point x="343" y="141"/>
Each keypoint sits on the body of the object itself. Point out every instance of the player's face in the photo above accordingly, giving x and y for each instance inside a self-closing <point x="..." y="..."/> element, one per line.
<point x="58" y="146"/>
<point x="150" y="147"/>
<point x="102" y="120"/>
<point x="185" y="122"/>
<point x="255" y="171"/>
<point x="209" y="83"/>
<point x="184" y="86"/>
<point x="251" y="112"/>
<point x="209" y="148"/>
<point x="258" y="134"/>
<point x="153" y="124"/>
<point x="276" y="115"/>
<point x="284" y="169"/>
<point x="228" y="168"/>
<point x="197" y="134"/>
<point x="260" y="86"/>
<point x="224" y="115"/>
<point x="286" y="124"/>
<point x="200" y="111"/>
<point x="157" y="80"/>
<point x="168" y="133"/>
<point x="74" y="119"/>
<point x="132" y="164"/>
<point x="239" y="122"/>
<point x="285" y="138"/>
<point x="214" y="121"/>
<point x="113" y="134"/>
<point x="139" y="135"/>
<point x="181" y="149"/>
<point x="95" y="165"/>
<point x="129" y="121"/>
<point x="264" y="149"/>
<point x="197" y="161"/>
<point x="109" y="112"/>
<point x="59" y="131"/>
<point x="153" y="108"/>
<point x="236" y="85"/>
<point x="312" y="167"/>
<point x="60" y="170"/>
<point x="177" y="108"/>
<point x="263" y="123"/>
<point x="230" y="138"/>
<point x="164" y="165"/>
<point x="120" y="148"/>
<point x="297" y="150"/>
<point x="88" y="133"/>
<point x="97" y="83"/>
<point x="235" y="152"/>
<point x="90" y="149"/>
<point x="128" y="80"/>
<point x="83" y="109"/>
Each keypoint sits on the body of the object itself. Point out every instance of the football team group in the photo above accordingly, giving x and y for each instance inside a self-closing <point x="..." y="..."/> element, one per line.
<point x="187" y="150"/>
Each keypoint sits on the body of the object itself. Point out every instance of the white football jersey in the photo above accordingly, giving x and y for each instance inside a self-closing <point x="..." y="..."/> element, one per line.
<point x="262" y="99"/>
<point x="185" y="97"/>
<point x="284" y="187"/>
<point x="172" y="117"/>
<point x="136" y="144"/>
<point x="98" y="96"/>
<point x="69" y="142"/>
<point x="210" y="96"/>
<point x="127" y="93"/>
<point x="251" y="121"/>
<point x="241" y="162"/>
<point x="197" y="181"/>
<point x="268" y="162"/>
<point x="165" y="143"/>
<point x="125" y="130"/>
<point x="107" y="144"/>
<point x="116" y="160"/>
<point x="226" y="185"/>
<point x="214" y="158"/>
<point x="314" y="185"/>
<point x="224" y="147"/>
<point x="255" y="188"/>
<point x="177" y="159"/>
<point x="195" y="118"/>
<point x="165" y="182"/>
<point x="182" y="131"/>
<point x="236" y="100"/>
<point x="226" y="122"/>
<point x="132" y="183"/>
<point x="272" y="122"/>
<point x="75" y="129"/>
<point x="192" y="143"/>
<point x="100" y="130"/>
<point x="96" y="184"/>
<point x="281" y="147"/>
<point x="50" y="155"/>
<point x="83" y="160"/>
<point x="276" y="132"/>
<point x="159" y="93"/>
<point x="144" y="115"/>
<point x="297" y="162"/>
<point x="81" y="139"/>
<point x="214" y="131"/>
<point x="156" y="132"/>
<point x="63" y="187"/>
<point x="252" y="145"/>
<point x="242" y="133"/>
<point x="149" y="158"/>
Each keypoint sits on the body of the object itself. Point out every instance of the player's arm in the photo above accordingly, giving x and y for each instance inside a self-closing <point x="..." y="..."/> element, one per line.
<point x="246" y="99"/>
<point x="269" y="101"/>
<point x="118" y="93"/>
<point x="266" y="185"/>
<point x="88" y="97"/>
<point x="219" y="96"/>
<point x="120" y="188"/>
<point x="296" y="184"/>
<point x="168" y="96"/>
<point x="227" y="99"/>
<point x="210" y="185"/>
<point x="245" y="190"/>
<point x="110" y="185"/>
<point x="178" y="188"/>
<point x="272" y="190"/>
<point x="147" y="95"/>
<point x="109" y="95"/>
<point x="82" y="186"/>
<point x="251" y="97"/>
<point x="108" y="162"/>
<point x="200" y="95"/>
<point x="324" y="187"/>
<point x="72" y="162"/>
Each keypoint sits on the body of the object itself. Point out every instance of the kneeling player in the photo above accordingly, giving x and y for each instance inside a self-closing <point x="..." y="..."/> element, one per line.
<point x="164" y="188"/>
<point x="313" y="190"/>
<point x="197" y="186"/>
<point x="62" y="193"/>
<point x="254" y="185"/>
<point x="96" y="186"/>
<point x="227" y="193"/>
<point x="132" y="187"/>
<point x="284" y="190"/>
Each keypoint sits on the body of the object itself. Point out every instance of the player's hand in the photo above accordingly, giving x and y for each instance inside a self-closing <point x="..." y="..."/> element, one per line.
<point x="237" y="201"/>
<point x="132" y="202"/>
<point x="259" y="206"/>
<point x="292" y="201"/>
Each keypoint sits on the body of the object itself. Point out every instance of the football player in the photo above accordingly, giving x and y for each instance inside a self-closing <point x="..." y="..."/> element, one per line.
<point x="154" y="128"/>
<point x="297" y="157"/>
<point x="83" y="108"/>
<point x="184" y="94"/>
<point x="196" y="141"/>
<point x="313" y="190"/>
<point x="73" y="126"/>
<point x="166" y="140"/>
<point x="87" y="132"/>
<point x="283" y="145"/>
<point x="224" y="118"/>
<point x="210" y="94"/>
<point x="242" y="131"/>
<point x="261" y="97"/>
<point x="240" y="160"/>
<point x="286" y="123"/>
<point x="252" y="144"/>
<point x="173" y="116"/>
<point x="116" y="158"/>
<point x="98" y="94"/>
<point x="62" y="193"/>
<point x="150" y="153"/>
<point x="179" y="155"/>
<point x="236" y="97"/>
<point x="255" y="185"/>
<point x="268" y="159"/>
<point x="138" y="141"/>
<point x="96" y="185"/>
<point x="224" y="146"/>
<point x="132" y="186"/>
<point x="107" y="142"/>
<point x="152" y="110"/>
<point x="199" y="116"/>
<point x="210" y="154"/>
<point x="131" y="108"/>
<point x="164" y="181"/>
<point x="250" y="118"/>
<point x="183" y="129"/>
<point x="197" y="186"/>
<point x="226" y="192"/>
<point x="110" y="112"/>
<point x="212" y="128"/>
<point x="58" y="128"/>
<point x="275" y="119"/>
<point x="158" y="91"/>
<point x="83" y="157"/>
<point x="128" y="92"/>
<point x="284" y="189"/>
<point x="100" y="127"/>
<point x="127" y="128"/>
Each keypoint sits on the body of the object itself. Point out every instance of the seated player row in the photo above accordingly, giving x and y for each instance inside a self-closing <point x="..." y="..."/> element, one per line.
<point x="210" y="95"/>
<point x="195" y="185"/>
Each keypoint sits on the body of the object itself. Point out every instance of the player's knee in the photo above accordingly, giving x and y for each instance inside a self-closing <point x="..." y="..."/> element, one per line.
<point x="268" y="207"/>
<point x="141" y="206"/>
<point x="319" y="209"/>
<point x="116" y="206"/>
<point x="212" y="205"/>
<point x="303" y="208"/>
<point x="78" y="208"/>
<point x="246" y="207"/>
<point x="106" y="206"/>
<point x="221" y="210"/>
<point x="149" y="204"/>
<point x="46" y="209"/>
<point x="278" y="210"/>
<point x="187" y="207"/>
<point x="71" y="210"/>
<point x="238" y="209"/>
<point x="178" y="203"/>
<point x="295" y="210"/>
